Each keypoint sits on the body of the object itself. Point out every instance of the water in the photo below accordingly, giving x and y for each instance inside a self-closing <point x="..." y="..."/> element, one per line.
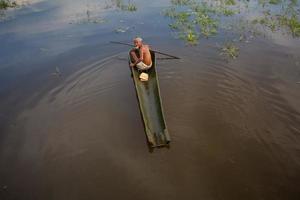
<point x="70" y="126"/>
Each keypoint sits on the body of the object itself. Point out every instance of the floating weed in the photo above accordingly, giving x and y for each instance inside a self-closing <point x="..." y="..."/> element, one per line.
<point x="195" y="19"/>
<point x="275" y="2"/>
<point x="207" y="24"/>
<point x="228" y="12"/>
<point x="174" y="26"/>
<point x="203" y="7"/>
<point x="272" y="25"/>
<point x="207" y="32"/>
<point x="230" y="50"/>
<point x="292" y="23"/>
<point x="181" y="2"/>
<point x="190" y="36"/>
<point x="170" y="12"/>
<point x="203" y="16"/>
<point x="183" y="17"/>
<point x="4" y="4"/>
<point x="205" y="20"/>
<point x="130" y="6"/>
<point x="230" y="2"/>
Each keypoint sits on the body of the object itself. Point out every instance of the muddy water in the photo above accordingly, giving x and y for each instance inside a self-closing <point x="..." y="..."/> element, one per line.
<point x="71" y="128"/>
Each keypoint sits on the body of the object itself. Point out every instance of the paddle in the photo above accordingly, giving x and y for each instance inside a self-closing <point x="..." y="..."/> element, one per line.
<point x="175" y="57"/>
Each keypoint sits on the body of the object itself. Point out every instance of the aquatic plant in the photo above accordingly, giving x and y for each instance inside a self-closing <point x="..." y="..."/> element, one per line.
<point x="181" y="2"/>
<point x="130" y="6"/>
<point x="198" y="19"/>
<point x="228" y="12"/>
<point x="286" y="19"/>
<point x="293" y="23"/>
<point x="230" y="2"/>
<point x="190" y="36"/>
<point x="230" y="50"/>
<point x="275" y="2"/>
<point x="193" y="20"/>
<point x="4" y="4"/>
<point x="208" y="25"/>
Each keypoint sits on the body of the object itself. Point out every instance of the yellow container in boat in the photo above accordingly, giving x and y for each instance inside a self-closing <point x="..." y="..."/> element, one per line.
<point x="144" y="76"/>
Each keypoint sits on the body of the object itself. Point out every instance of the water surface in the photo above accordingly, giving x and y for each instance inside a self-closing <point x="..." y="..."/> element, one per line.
<point x="70" y="126"/>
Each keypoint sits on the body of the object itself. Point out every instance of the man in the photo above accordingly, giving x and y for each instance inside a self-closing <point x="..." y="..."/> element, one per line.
<point x="142" y="60"/>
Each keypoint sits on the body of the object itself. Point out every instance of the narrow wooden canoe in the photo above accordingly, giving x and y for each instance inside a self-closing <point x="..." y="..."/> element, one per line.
<point x="150" y="104"/>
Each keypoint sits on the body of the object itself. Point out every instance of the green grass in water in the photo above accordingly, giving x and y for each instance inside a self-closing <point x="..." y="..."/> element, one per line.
<point x="293" y="23"/>
<point x="4" y="4"/>
<point x="275" y="2"/>
<point x="131" y="7"/>
<point x="181" y="2"/>
<point x="230" y="50"/>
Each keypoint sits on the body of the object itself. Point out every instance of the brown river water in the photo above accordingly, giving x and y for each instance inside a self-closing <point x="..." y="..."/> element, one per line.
<point x="70" y="126"/>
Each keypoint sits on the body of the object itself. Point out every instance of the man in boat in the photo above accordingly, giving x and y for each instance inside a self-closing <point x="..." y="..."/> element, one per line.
<point x="140" y="55"/>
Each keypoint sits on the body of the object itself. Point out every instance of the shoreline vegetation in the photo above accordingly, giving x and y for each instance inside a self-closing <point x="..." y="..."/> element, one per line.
<point x="5" y="4"/>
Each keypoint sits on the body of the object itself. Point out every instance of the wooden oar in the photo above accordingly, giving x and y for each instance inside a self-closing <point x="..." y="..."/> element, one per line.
<point x="175" y="57"/>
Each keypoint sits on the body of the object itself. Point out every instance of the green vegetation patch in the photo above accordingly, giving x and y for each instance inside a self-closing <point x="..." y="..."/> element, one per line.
<point x="129" y="6"/>
<point x="193" y="20"/>
<point x="181" y="2"/>
<point x="293" y="23"/>
<point x="198" y="20"/>
<point x="4" y="4"/>
<point x="230" y="50"/>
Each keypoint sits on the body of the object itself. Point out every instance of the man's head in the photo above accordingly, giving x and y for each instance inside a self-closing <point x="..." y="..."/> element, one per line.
<point x="138" y="42"/>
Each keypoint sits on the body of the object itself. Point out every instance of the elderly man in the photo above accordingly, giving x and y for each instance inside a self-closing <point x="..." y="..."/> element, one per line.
<point x="142" y="60"/>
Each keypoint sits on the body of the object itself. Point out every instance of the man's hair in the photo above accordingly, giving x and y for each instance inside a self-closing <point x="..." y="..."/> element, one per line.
<point x="138" y="39"/>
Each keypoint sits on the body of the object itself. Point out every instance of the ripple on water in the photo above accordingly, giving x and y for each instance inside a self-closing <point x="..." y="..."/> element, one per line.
<point x="92" y="81"/>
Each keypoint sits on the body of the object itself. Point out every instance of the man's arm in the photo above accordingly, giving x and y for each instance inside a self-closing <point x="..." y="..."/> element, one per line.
<point x="140" y="59"/>
<point x="141" y="54"/>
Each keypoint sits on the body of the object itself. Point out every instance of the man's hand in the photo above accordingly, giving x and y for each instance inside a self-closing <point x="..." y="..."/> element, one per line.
<point x="131" y="64"/>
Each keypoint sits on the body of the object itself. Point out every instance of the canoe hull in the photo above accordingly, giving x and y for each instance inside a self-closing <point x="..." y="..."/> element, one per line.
<point x="150" y="104"/>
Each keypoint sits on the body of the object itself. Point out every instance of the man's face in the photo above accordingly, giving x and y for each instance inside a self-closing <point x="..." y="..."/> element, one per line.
<point x="137" y="43"/>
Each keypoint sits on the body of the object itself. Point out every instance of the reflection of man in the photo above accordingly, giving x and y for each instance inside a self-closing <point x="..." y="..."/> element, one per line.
<point x="143" y="60"/>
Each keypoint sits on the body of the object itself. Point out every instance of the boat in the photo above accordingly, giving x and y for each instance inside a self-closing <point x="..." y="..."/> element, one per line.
<point x="149" y="99"/>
